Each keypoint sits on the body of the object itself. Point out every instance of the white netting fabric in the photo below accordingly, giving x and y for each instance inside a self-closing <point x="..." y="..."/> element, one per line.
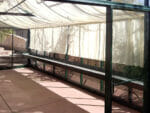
<point x="88" y="41"/>
<point x="56" y="26"/>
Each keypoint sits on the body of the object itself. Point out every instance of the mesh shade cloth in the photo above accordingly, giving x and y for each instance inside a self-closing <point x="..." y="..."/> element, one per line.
<point x="54" y="14"/>
<point x="80" y="28"/>
<point x="88" y="41"/>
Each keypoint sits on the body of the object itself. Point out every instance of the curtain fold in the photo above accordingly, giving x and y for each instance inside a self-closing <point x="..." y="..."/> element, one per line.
<point x="88" y="41"/>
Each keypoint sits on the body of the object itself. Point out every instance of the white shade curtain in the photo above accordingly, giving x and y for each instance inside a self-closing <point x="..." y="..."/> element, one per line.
<point x="128" y="42"/>
<point x="88" y="41"/>
<point x="79" y="30"/>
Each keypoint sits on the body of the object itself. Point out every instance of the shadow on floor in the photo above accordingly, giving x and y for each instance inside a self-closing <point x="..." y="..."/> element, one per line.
<point x="81" y="98"/>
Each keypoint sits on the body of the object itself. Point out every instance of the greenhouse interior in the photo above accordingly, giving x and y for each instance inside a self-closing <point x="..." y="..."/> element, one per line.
<point x="74" y="56"/>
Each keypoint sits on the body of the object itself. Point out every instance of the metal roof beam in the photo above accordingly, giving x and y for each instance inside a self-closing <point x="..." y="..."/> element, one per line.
<point x="114" y="5"/>
<point x="16" y="14"/>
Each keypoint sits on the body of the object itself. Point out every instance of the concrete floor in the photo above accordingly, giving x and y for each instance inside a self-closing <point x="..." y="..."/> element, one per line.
<point x="25" y="90"/>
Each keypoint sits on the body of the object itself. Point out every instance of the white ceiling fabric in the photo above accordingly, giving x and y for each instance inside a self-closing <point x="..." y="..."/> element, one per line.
<point x="54" y="14"/>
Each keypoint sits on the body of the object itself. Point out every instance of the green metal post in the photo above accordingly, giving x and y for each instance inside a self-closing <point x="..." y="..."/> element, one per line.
<point x="12" y="49"/>
<point x="44" y="63"/>
<point x="130" y="94"/>
<point x="54" y="65"/>
<point x="146" y="104"/>
<point x="108" y="3"/>
<point x="53" y="47"/>
<point x="101" y="81"/>
<point x="108" y="66"/>
<point x="66" y="56"/>
<point x="1" y="38"/>
<point x="81" y="75"/>
<point x="35" y="60"/>
<point x="27" y="47"/>
<point x="66" y="71"/>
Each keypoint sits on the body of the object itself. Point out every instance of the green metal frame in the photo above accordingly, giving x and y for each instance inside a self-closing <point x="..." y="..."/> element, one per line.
<point x="146" y="61"/>
<point x="101" y="81"/>
<point x="108" y="77"/>
<point x="54" y="65"/>
<point x="16" y="14"/>
<point x="108" y="59"/>
<point x="44" y="65"/>
<point x="91" y="73"/>
<point x="130" y="94"/>
<point x="81" y="75"/>
<point x="12" y="49"/>
<point x="35" y="60"/>
<point x="114" y="5"/>
<point x="28" y="47"/>
<point x="66" y="55"/>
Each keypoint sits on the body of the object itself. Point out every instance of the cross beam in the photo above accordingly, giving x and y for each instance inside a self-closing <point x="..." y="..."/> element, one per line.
<point x="16" y="14"/>
<point x="114" y="5"/>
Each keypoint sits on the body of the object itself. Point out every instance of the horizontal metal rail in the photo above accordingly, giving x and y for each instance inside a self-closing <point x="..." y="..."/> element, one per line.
<point x="114" y="5"/>
<point x="87" y="71"/>
<point x="16" y="14"/>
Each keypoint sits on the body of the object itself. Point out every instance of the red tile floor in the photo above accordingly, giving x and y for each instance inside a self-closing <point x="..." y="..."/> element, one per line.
<point x="25" y="90"/>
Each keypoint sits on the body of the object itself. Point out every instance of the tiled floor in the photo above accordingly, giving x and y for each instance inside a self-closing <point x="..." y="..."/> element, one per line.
<point x="24" y="90"/>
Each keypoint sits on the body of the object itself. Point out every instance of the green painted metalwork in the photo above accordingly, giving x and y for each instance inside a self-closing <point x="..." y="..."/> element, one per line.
<point x="66" y="56"/>
<point x="108" y="60"/>
<point x="28" y="41"/>
<point x="28" y="47"/>
<point x="35" y="60"/>
<point x="114" y="5"/>
<point x="44" y="63"/>
<point x="101" y="86"/>
<point x="66" y="74"/>
<point x="53" y="65"/>
<point x="101" y="81"/>
<point x="16" y="14"/>
<point x="12" y="49"/>
<point x="146" y="108"/>
<point x="89" y="72"/>
<point x="81" y="75"/>
<point x="94" y="91"/>
<point x="130" y="94"/>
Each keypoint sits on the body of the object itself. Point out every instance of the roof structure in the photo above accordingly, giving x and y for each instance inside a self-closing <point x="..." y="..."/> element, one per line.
<point x="54" y="14"/>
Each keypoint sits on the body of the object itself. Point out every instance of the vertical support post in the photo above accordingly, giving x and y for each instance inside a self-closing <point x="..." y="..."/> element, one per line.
<point x="101" y="81"/>
<point x="54" y="65"/>
<point x="146" y="103"/>
<point x="1" y="39"/>
<point x="43" y="62"/>
<point x="81" y="59"/>
<point x="108" y="66"/>
<point x="66" y="56"/>
<point x="53" y="53"/>
<point x="28" y="40"/>
<point x="101" y="85"/>
<point x="27" y="47"/>
<point x="130" y="94"/>
<point x="81" y="75"/>
<point x="12" y="49"/>
<point x="36" y="60"/>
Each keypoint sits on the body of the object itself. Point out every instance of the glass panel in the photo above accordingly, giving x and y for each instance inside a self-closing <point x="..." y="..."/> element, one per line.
<point x="136" y="2"/>
<point x="128" y="54"/>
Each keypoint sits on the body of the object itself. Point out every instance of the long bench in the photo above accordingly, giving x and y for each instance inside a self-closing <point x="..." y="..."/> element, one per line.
<point x="89" y="72"/>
